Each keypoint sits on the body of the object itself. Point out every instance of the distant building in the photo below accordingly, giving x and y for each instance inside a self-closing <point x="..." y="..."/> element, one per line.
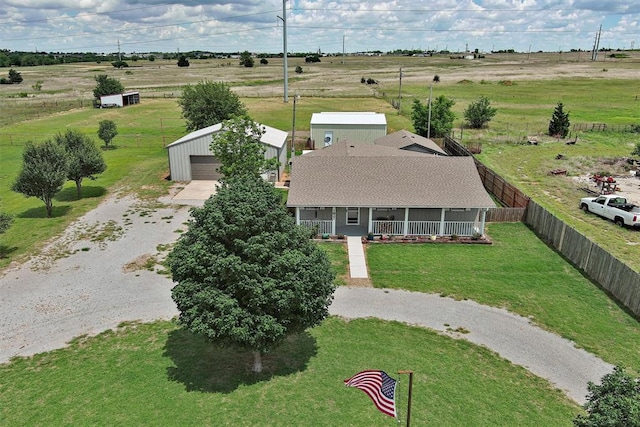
<point x="120" y="99"/>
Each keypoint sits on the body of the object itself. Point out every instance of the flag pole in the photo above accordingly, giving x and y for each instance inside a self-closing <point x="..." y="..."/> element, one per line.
<point x="409" y="399"/>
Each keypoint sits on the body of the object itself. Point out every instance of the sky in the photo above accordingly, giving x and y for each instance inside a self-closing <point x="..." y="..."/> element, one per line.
<point x="140" y="26"/>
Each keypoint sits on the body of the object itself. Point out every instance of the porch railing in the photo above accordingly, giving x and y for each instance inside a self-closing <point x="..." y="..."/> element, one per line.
<point x="323" y="226"/>
<point x="423" y="228"/>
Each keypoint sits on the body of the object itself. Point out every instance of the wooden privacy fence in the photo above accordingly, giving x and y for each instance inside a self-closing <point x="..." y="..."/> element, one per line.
<point x="605" y="269"/>
<point x="506" y="215"/>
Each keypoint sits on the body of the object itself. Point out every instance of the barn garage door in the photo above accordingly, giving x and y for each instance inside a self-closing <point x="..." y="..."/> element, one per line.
<point x="204" y="168"/>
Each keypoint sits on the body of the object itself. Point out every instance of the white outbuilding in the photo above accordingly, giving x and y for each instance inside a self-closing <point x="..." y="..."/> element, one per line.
<point x="120" y="99"/>
<point x="190" y="157"/>
<point x="328" y="128"/>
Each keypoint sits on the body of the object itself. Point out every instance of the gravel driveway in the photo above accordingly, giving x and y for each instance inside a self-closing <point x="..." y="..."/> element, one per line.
<point x="93" y="278"/>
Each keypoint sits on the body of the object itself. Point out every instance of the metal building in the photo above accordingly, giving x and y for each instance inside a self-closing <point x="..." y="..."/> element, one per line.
<point x="190" y="157"/>
<point x="329" y="128"/>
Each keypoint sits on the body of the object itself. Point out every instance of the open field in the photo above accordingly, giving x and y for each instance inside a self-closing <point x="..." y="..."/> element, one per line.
<point x="524" y="88"/>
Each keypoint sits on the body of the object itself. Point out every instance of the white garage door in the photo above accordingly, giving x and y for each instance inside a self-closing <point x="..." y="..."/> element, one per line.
<point x="205" y="168"/>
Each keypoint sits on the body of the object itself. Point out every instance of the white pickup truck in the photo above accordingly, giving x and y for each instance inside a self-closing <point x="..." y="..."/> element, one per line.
<point x="614" y="207"/>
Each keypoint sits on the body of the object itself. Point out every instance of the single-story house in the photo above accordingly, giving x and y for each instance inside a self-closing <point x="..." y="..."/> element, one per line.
<point x="190" y="157"/>
<point x="120" y="99"/>
<point x="405" y="140"/>
<point x="359" y="188"/>
<point x="328" y="128"/>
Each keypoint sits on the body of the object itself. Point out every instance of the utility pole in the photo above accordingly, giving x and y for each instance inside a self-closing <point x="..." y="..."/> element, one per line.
<point x="284" y="49"/>
<point x="429" y="119"/>
<point x="343" y="49"/>
<point x="119" y="56"/>
<point x="293" y="129"/>
<point x="596" y="45"/>
<point x="400" y="93"/>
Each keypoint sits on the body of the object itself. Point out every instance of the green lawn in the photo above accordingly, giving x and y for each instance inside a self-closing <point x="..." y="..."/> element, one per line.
<point x="156" y="374"/>
<point x="521" y="274"/>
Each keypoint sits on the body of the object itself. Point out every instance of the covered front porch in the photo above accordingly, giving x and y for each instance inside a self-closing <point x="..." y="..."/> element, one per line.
<point x="393" y="221"/>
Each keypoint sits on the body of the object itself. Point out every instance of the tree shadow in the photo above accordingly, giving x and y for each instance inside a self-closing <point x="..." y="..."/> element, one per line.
<point x="41" y="212"/>
<point x="70" y="194"/>
<point x="203" y="366"/>
<point x="5" y="250"/>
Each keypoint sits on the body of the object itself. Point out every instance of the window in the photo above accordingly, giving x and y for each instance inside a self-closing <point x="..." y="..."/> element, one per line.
<point x="353" y="216"/>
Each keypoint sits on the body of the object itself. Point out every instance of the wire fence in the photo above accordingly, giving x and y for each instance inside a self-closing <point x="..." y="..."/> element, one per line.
<point x="121" y="140"/>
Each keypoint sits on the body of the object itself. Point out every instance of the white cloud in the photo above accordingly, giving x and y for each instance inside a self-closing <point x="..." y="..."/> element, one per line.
<point x="159" y="25"/>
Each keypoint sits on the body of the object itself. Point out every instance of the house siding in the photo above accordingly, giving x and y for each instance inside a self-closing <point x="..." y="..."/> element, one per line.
<point x="353" y="133"/>
<point x="352" y="230"/>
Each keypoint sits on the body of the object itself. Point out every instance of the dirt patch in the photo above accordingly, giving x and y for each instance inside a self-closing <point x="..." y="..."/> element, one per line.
<point x="359" y="283"/>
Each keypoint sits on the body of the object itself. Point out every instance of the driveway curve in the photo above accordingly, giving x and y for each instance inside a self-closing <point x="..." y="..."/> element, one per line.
<point x="94" y="277"/>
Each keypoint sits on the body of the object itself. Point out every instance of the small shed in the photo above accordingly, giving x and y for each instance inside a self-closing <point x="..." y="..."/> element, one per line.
<point x="120" y="99"/>
<point x="328" y="128"/>
<point x="190" y="157"/>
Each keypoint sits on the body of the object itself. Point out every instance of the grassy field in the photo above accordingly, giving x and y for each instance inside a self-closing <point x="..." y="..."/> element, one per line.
<point x="156" y="374"/>
<point x="521" y="274"/>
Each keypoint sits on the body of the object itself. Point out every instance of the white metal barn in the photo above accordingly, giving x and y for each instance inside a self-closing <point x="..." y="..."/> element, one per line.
<point x="120" y="99"/>
<point x="190" y="157"/>
<point x="329" y="128"/>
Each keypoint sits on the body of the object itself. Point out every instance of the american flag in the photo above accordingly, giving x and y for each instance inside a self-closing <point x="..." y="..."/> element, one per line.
<point x="379" y="386"/>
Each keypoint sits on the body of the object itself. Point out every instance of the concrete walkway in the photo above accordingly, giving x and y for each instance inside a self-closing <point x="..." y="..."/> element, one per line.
<point x="513" y="337"/>
<point x="357" y="261"/>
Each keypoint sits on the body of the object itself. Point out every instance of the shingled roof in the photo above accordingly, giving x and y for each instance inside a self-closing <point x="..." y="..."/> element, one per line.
<point x="404" y="139"/>
<point x="414" y="181"/>
<point x="360" y="149"/>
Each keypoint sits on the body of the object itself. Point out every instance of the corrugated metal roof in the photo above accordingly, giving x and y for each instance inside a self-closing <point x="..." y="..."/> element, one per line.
<point x="348" y="118"/>
<point x="405" y="181"/>
<point x="271" y="136"/>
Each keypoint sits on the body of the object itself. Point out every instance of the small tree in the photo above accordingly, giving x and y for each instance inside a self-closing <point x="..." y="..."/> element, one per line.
<point x="208" y="103"/>
<point x="615" y="402"/>
<point x="238" y="148"/>
<point x="44" y="172"/>
<point x="246" y="59"/>
<point x="247" y="276"/>
<point x="106" y="86"/>
<point x="14" y="77"/>
<point x="441" y="117"/>
<point x="107" y="130"/>
<point x="298" y="69"/>
<point x="436" y="79"/>
<point x="183" y="61"/>
<point x="85" y="160"/>
<point x="636" y="150"/>
<point x="559" y="124"/>
<point x="479" y="112"/>
<point x="264" y="61"/>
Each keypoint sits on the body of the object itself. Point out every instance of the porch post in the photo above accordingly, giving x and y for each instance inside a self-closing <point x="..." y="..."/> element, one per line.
<point x="333" y="221"/>
<point x="442" y="222"/>
<point x="370" y="222"/>
<point x="483" y="218"/>
<point x="405" y="231"/>
<point x="297" y="215"/>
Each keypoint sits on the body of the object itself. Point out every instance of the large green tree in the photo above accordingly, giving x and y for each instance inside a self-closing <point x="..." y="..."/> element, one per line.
<point x="615" y="402"/>
<point x="84" y="158"/>
<point x="479" y="112"/>
<point x="208" y="103"/>
<point x="44" y="172"/>
<point x="559" y="124"/>
<point x="441" y="117"/>
<point x="238" y="148"/>
<point x="106" y="86"/>
<point x="107" y="130"/>
<point x="247" y="276"/>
